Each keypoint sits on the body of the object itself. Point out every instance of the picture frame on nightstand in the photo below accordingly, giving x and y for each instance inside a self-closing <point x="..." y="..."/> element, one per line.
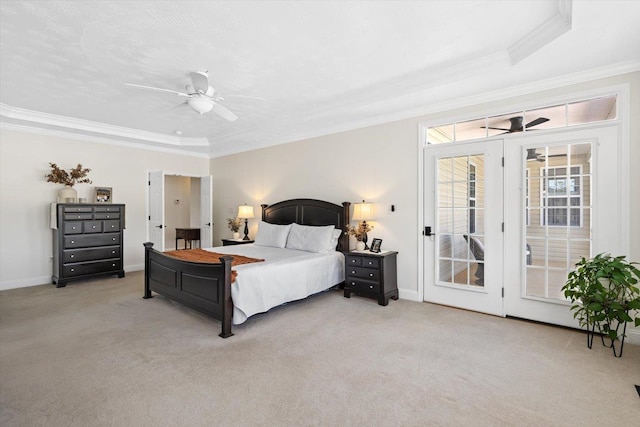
<point x="375" y="245"/>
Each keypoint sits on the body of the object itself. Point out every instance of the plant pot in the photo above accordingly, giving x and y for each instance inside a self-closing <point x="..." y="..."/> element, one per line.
<point x="360" y="245"/>
<point x="236" y="235"/>
<point x="67" y="194"/>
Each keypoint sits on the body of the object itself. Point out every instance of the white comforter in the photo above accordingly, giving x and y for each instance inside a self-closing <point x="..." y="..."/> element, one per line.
<point x="286" y="275"/>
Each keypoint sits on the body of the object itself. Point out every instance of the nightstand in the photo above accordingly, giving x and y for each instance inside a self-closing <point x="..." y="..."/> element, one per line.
<point x="371" y="274"/>
<point x="231" y="242"/>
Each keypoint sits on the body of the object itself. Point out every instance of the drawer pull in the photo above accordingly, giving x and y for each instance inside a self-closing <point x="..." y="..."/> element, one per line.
<point x="113" y="226"/>
<point x="353" y="261"/>
<point x="72" y="256"/>
<point x="73" y="269"/>
<point x="370" y="286"/>
<point x="370" y="262"/>
<point x="370" y="274"/>
<point x="113" y="238"/>
<point x="73" y="228"/>
<point x="113" y="252"/>
<point x="93" y="226"/>
<point x="108" y="216"/>
<point x="113" y="265"/>
<point x="353" y="272"/>
<point x="73" y="241"/>
<point x="78" y="216"/>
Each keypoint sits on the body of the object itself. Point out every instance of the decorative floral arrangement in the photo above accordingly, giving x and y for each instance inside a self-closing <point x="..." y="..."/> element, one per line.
<point x="234" y="224"/>
<point x="77" y="175"/>
<point x="359" y="231"/>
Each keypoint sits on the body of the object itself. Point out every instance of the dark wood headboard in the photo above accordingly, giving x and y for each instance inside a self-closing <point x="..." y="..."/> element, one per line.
<point x="310" y="212"/>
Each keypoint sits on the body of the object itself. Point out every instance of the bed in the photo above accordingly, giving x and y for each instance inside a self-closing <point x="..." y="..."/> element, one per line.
<point x="210" y="289"/>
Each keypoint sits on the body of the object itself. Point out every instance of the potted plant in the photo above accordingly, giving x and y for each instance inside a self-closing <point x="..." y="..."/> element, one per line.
<point x="359" y="233"/>
<point x="234" y="225"/>
<point x="604" y="295"/>
<point x="77" y="175"/>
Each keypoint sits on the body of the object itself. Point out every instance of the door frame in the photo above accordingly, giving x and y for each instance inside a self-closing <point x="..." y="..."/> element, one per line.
<point x="622" y="91"/>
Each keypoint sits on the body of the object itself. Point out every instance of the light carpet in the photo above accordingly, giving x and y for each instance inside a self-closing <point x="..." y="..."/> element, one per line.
<point x="96" y="354"/>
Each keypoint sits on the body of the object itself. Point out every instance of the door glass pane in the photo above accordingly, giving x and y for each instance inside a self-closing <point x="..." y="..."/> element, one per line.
<point x="557" y="200"/>
<point x="461" y="217"/>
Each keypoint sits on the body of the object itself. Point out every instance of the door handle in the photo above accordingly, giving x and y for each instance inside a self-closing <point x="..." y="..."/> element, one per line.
<point x="208" y="224"/>
<point x="159" y="226"/>
<point x="427" y="232"/>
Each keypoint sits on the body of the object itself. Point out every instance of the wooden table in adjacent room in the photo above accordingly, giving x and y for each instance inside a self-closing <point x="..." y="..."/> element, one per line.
<point x="189" y="235"/>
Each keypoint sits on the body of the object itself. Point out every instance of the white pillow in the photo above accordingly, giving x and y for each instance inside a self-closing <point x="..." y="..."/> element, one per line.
<point x="272" y="235"/>
<point x="309" y="238"/>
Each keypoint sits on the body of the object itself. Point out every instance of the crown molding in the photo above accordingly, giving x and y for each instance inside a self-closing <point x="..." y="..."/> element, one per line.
<point x="34" y="130"/>
<point x="101" y="128"/>
<point x="548" y="31"/>
<point x="497" y="95"/>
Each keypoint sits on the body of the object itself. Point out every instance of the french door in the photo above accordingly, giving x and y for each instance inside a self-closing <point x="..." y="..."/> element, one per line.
<point x="464" y="215"/>
<point x="503" y="239"/>
<point x="564" y="202"/>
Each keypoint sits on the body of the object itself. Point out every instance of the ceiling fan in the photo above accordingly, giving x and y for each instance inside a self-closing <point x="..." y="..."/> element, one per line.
<point x="532" y="154"/>
<point x="201" y="97"/>
<point x="516" y="124"/>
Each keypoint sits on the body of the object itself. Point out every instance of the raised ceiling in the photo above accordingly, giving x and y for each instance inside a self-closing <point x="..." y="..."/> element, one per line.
<point x="322" y="67"/>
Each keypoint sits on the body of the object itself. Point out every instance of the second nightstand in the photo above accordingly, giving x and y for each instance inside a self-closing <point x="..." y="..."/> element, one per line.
<point x="231" y="242"/>
<point x="371" y="274"/>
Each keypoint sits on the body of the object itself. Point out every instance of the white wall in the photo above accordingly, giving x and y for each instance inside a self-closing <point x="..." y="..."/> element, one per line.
<point x="25" y="236"/>
<point x="379" y="164"/>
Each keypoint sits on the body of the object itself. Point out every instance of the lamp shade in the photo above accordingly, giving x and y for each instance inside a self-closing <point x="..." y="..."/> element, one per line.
<point x="245" y="211"/>
<point x="363" y="211"/>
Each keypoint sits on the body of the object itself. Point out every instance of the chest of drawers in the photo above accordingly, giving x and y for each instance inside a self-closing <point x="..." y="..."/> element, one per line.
<point x="87" y="241"/>
<point x="371" y="274"/>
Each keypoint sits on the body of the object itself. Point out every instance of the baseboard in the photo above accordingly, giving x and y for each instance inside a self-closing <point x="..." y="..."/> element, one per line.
<point x="633" y="337"/>
<point x="408" y="295"/>
<point x="25" y="283"/>
<point x="46" y="280"/>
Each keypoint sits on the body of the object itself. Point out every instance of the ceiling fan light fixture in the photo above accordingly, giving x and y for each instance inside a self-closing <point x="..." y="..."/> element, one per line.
<point x="200" y="105"/>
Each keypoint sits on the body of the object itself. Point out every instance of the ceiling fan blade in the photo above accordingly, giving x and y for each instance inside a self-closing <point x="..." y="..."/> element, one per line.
<point x="157" y="89"/>
<point x="536" y="122"/>
<point x="224" y="113"/>
<point x="200" y="81"/>
<point x="489" y="127"/>
<point x="257" y="98"/>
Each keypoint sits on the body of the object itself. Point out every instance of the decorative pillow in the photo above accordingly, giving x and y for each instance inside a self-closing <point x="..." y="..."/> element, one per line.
<point x="272" y="235"/>
<point x="310" y="238"/>
<point x="335" y="236"/>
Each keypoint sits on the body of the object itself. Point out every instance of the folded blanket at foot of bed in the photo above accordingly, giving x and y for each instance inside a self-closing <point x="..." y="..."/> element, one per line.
<point x="208" y="257"/>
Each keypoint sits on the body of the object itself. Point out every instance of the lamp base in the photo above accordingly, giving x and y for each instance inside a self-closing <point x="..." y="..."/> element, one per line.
<point x="246" y="230"/>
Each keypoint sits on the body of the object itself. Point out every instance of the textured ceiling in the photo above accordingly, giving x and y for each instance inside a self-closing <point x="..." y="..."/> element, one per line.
<point x="321" y="66"/>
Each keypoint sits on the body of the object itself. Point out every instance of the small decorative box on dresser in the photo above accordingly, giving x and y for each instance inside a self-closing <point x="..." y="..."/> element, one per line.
<point x="87" y="241"/>
<point x="231" y="242"/>
<point x="371" y="274"/>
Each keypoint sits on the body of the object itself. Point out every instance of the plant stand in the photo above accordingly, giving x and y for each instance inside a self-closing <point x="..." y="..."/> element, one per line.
<point x="591" y="333"/>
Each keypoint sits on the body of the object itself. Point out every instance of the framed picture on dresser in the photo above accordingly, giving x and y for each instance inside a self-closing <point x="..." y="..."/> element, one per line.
<point x="103" y="195"/>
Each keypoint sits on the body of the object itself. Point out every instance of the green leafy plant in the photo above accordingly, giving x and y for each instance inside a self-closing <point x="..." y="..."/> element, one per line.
<point x="604" y="295"/>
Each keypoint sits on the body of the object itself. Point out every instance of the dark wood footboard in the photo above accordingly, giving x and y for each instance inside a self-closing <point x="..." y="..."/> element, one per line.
<point x="202" y="287"/>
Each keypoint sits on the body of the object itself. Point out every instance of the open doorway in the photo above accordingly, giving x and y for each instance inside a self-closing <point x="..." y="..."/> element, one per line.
<point x="181" y="207"/>
<point x="179" y="202"/>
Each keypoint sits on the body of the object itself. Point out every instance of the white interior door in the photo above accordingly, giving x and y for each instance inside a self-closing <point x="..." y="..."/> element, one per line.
<point x="464" y="209"/>
<point x="564" y="201"/>
<point x="206" y="211"/>
<point x="155" y="222"/>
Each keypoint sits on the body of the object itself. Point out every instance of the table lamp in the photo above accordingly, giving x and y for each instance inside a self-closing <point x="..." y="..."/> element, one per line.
<point x="245" y="212"/>
<point x="362" y="212"/>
